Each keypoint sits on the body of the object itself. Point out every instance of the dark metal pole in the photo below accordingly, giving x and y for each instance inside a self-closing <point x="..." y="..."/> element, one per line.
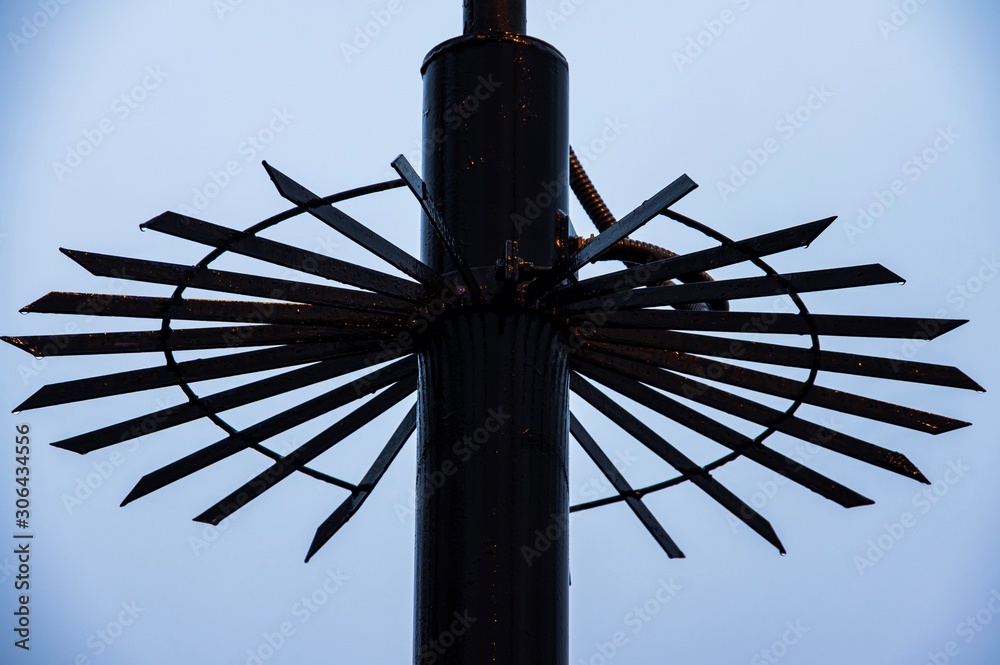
<point x="485" y="16"/>
<point x="492" y="546"/>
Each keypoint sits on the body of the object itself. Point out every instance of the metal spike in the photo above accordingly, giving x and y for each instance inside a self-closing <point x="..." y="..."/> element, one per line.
<point x="194" y="370"/>
<point x="779" y="386"/>
<point x="192" y="339"/>
<point x="789" y="468"/>
<point x="775" y="354"/>
<point x="752" y="412"/>
<point x="620" y="230"/>
<point x="701" y="478"/>
<point x="271" y="427"/>
<point x="402" y="166"/>
<point x="191" y="309"/>
<point x="687" y="264"/>
<point x="216" y="403"/>
<point x="309" y="451"/>
<point x="736" y="289"/>
<point x="624" y="490"/>
<point x="356" y="231"/>
<point x="353" y="503"/>
<point x="288" y="256"/>
<point x="103" y="265"/>
<point x="780" y="324"/>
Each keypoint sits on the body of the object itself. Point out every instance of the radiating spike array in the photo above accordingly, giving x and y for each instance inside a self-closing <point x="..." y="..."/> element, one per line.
<point x="619" y="338"/>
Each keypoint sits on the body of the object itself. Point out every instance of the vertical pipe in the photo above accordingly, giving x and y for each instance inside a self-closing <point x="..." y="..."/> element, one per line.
<point x="486" y="16"/>
<point x="492" y="510"/>
<point x="496" y="147"/>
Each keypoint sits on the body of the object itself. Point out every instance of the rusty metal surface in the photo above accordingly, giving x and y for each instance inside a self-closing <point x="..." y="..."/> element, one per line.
<point x="668" y="453"/>
<point x="204" y="369"/>
<point x="215" y="403"/>
<point x="148" y="307"/>
<point x="747" y="287"/>
<point x="606" y="239"/>
<point x="309" y="451"/>
<point x="779" y="324"/>
<point x="779" y="386"/>
<point x="748" y="410"/>
<point x="826" y="487"/>
<point x="684" y="264"/>
<point x="189" y="339"/>
<point x="103" y="265"/>
<point x="273" y="426"/>
<point x="775" y="354"/>
<point x="270" y="251"/>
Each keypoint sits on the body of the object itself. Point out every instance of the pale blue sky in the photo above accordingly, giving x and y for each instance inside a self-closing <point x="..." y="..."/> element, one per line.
<point x="209" y="78"/>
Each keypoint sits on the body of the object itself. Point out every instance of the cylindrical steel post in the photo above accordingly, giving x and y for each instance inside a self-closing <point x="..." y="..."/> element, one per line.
<point x="483" y="16"/>
<point x="492" y="564"/>
<point x="492" y="550"/>
<point x="496" y="146"/>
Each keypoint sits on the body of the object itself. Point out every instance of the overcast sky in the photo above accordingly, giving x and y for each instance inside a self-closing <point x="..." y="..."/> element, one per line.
<point x="881" y="112"/>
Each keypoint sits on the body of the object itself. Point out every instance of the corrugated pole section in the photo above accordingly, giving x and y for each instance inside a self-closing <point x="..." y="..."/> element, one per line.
<point x="492" y="514"/>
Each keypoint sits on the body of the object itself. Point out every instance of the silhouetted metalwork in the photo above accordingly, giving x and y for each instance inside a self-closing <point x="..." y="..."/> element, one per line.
<point x="493" y="329"/>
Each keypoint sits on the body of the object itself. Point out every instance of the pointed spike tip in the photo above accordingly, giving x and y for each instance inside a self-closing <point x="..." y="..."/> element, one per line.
<point x="945" y="326"/>
<point x="23" y="345"/>
<point x="32" y="306"/>
<point x="206" y="518"/>
<point x="65" y="445"/>
<point x="772" y="536"/>
<point x="950" y="425"/>
<point x="890" y="276"/>
<point x="818" y="228"/>
<point x="159" y="220"/>
<point x="81" y="259"/>
<point x="140" y="490"/>
<point x="26" y="405"/>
